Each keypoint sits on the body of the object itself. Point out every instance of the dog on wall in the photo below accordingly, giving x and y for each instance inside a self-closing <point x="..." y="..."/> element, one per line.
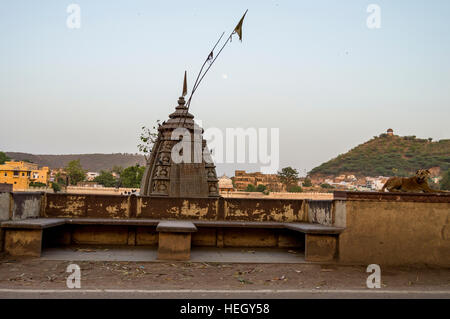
<point x="414" y="184"/>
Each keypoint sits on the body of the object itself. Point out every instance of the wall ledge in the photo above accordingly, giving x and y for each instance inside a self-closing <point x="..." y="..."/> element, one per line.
<point x="393" y="197"/>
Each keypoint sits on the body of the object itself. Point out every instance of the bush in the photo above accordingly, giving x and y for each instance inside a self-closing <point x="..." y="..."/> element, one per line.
<point x="250" y="188"/>
<point x="37" y="184"/>
<point x="307" y="182"/>
<point x="56" y="188"/>
<point x="325" y="185"/>
<point x="445" y="182"/>
<point x="295" y="189"/>
<point x="261" y="188"/>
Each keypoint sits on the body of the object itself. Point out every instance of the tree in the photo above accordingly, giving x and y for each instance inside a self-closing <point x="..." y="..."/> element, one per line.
<point x="132" y="176"/>
<point x="61" y="179"/>
<point x="106" y="179"/>
<point x="250" y="188"/>
<point x="148" y="138"/>
<point x="288" y="177"/>
<point x="75" y="172"/>
<point x="117" y="169"/>
<point x="3" y="158"/>
<point x="307" y="182"/>
<point x="445" y="182"/>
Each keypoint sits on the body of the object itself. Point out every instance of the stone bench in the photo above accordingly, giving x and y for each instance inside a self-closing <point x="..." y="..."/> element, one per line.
<point x="320" y="240"/>
<point x="24" y="237"/>
<point x="175" y="239"/>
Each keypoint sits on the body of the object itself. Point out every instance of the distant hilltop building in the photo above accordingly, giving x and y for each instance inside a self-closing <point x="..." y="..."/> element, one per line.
<point x="390" y="132"/>
<point x="21" y="174"/>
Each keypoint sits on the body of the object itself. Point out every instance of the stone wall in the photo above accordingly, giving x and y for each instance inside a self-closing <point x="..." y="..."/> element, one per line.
<point x="26" y="205"/>
<point x="110" y="206"/>
<point x="381" y="228"/>
<point x="5" y="210"/>
<point x="394" y="229"/>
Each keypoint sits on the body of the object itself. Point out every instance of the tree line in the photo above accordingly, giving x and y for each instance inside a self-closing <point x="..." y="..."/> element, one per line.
<point x="129" y="177"/>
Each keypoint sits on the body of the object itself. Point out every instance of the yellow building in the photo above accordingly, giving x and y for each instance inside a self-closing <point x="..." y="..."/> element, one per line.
<point x="21" y="174"/>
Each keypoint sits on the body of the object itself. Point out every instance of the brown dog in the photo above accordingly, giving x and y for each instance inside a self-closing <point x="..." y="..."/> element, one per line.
<point x="415" y="184"/>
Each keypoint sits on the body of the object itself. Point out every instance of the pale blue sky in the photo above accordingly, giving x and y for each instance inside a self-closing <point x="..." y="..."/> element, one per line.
<point x="311" y="68"/>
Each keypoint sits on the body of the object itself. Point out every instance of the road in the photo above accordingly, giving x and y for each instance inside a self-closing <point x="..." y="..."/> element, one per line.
<point x="223" y="293"/>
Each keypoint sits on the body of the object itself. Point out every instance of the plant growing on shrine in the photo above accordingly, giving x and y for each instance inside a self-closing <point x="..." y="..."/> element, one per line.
<point x="147" y="139"/>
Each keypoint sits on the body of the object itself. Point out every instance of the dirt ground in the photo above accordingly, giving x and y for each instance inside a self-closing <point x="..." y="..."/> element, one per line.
<point x="21" y="272"/>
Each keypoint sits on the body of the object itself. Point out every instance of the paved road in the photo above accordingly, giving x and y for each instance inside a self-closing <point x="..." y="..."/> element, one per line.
<point x="234" y="294"/>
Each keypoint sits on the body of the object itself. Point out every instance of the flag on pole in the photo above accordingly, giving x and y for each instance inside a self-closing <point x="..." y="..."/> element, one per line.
<point x="238" y="28"/>
<point x="210" y="57"/>
<point x="184" y="85"/>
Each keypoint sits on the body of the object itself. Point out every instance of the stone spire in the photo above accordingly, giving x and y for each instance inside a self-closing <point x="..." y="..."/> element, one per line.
<point x="166" y="176"/>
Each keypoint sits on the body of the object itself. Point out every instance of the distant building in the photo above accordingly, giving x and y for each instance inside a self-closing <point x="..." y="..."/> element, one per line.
<point x="91" y="175"/>
<point x="390" y="132"/>
<point x="375" y="183"/>
<point x="21" y="174"/>
<point x="242" y="179"/>
<point x="225" y="184"/>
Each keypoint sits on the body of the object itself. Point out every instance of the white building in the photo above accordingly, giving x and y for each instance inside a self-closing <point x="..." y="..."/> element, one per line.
<point x="91" y="175"/>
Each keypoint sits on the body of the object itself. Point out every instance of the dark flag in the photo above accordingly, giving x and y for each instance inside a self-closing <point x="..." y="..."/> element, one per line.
<point x="210" y="57"/>
<point x="184" y="85"/>
<point x="238" y="28"/>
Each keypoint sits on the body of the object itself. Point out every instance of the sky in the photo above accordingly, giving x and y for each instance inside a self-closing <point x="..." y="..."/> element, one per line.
<point x="313" y="69"/>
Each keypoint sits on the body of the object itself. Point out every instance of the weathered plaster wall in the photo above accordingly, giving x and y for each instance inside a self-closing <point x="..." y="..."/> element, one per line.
<point x="5" y="201"/>
<point x="110" y="206"/>
<point x="396" y="233"/>
<point x="26" y="205"/>
<point x="280" y="210"/>
<point x="320" y="212"/>
<point x="4" y="206"/>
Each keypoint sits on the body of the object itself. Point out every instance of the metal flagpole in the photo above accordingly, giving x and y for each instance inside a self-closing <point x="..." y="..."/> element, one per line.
<point x="197" y="84"/>
<point x="199" y="79"/>
<point x="204" y="63"/>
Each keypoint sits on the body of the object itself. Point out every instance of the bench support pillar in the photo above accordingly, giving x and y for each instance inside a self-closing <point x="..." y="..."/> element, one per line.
<point x="174" y="246"/>
<point x="320" y="248"/>
<point x="23" y="242"/>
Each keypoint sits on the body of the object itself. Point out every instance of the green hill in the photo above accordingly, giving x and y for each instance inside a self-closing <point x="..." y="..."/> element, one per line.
<point x="387" y="156"/>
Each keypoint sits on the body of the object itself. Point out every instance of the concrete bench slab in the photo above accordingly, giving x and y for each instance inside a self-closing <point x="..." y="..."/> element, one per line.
<point x="309" y="228"/>
<point x="174" y="226"/>
<point x="35" y="223"/>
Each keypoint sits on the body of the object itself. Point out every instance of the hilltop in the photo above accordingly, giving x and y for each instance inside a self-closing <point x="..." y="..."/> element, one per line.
<point x="389" y="155"/>
<point x="90" y="162"/>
